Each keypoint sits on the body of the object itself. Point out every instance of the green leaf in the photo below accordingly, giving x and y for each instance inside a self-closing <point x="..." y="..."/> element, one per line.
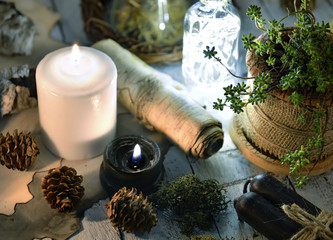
<point x="296" y="98"/>
<point x="209" y="52"/>
<point x="248" y="42"/>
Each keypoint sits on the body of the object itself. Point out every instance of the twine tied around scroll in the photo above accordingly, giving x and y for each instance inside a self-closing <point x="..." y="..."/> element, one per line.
<point x="313" y="227"/>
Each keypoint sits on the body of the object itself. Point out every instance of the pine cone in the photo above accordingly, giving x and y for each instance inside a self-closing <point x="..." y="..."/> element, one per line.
<point x="62" y="188"/>
<point x="18" y="151"/>
<point x="131" y="212"/>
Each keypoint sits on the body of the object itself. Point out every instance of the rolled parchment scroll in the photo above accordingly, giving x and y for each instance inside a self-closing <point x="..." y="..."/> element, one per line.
<point x="163" y="104"/>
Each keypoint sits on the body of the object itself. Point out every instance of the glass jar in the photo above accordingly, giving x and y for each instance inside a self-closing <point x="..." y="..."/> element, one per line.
<point x="210" y="23"/>
<point x="158" y="22"/>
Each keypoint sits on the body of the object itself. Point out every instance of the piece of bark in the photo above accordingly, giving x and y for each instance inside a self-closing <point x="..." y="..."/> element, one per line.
<point x="22" y="76"/>
<point x="23" y="99"/>
<point x="16" y="31"/>
<point x="7" y="96"/>
<point x="15" y="72"/>
<point x="161" y="103"/>
<point x="17" y="89"/>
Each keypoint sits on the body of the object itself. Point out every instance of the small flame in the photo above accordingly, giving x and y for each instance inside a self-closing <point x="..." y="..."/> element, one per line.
<point x="75" y="53"/>
<point x="136" y="157"/>
<point x="162" y="26"/>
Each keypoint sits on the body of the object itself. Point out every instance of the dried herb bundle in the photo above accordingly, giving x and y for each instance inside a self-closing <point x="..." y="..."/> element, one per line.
<point x="195" y="201"/>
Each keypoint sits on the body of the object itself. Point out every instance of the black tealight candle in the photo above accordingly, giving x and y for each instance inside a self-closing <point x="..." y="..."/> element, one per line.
<point x="131" y="161"/>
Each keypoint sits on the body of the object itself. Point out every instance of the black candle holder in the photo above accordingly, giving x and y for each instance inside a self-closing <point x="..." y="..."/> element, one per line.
<point x="117" y="169"/>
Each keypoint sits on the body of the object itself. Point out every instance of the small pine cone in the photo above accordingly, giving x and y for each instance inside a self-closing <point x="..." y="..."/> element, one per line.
<point x="18" y="151"/>
<point x="62" y="188"/>
<point x="131" y="212"/>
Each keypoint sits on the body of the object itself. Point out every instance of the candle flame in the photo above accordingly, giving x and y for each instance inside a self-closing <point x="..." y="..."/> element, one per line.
<point x="75" y="52"/>
<point x="136" y="154"/>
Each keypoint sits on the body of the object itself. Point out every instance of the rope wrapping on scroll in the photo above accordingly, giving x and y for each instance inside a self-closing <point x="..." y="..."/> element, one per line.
<point x="313" y="227"/>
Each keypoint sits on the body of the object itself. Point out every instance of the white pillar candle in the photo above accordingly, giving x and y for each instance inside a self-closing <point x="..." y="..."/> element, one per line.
<point x="77" y="101"/>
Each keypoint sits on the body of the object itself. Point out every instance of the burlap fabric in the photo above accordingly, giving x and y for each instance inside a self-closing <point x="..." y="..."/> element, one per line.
<point x="272" y="128"/>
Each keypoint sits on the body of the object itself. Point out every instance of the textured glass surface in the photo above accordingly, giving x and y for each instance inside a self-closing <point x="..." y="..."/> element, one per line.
<point x="210" y="23"/>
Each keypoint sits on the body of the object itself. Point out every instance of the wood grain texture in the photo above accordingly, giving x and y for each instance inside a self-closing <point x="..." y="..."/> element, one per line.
<point x="98" y="223"/>
<point x="229" y="167"/>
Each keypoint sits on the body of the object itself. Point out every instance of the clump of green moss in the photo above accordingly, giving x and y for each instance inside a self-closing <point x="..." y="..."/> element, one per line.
<point x="208" y="237"/>
<point x="195" y="201"/>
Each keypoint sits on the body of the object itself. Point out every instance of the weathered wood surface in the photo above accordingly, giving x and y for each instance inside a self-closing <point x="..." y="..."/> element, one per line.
<point x="229" y="167"/>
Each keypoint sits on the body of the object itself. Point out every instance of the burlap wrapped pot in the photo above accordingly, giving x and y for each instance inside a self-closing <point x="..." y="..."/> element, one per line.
<point x="264" y="132"/>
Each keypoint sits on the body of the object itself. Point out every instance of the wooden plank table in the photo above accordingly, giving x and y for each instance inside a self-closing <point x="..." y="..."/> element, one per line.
<point x="228" y="166"/>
